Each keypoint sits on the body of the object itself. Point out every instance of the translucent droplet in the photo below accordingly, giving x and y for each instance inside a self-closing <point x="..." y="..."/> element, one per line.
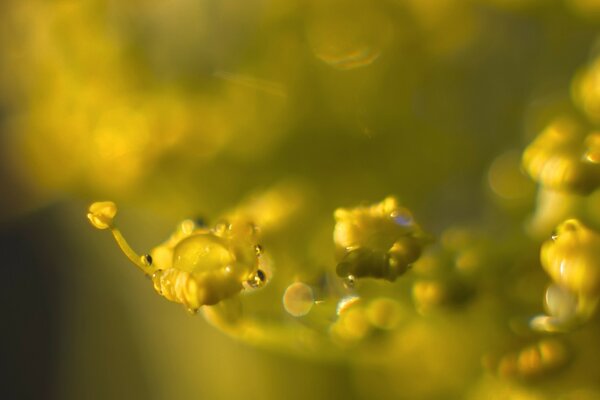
<point x="298" y="299"/>
<point x="147" y="260"/>
<point x="187" y="226"/>
<point x="258" y="280"/>
<point x="221" y="227"/>
<point x="349" y="282"/>
<point x="402" y="218"/>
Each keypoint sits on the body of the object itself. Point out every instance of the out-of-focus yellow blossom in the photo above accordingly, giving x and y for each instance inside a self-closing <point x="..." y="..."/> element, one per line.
<point x="106" y="119"/>
<point x="571" y="258"/>
<point x="534" y="360"/>
<point x="563" y="158"/>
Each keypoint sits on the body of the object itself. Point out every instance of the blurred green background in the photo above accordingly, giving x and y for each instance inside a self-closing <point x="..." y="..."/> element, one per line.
<point x="185" y="108"/>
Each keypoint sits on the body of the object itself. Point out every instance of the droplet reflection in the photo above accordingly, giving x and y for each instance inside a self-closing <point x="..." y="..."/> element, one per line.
<point x="298" y="299"/>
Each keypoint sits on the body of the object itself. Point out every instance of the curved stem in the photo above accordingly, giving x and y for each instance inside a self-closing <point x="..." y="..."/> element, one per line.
<point x="129" y="252"/>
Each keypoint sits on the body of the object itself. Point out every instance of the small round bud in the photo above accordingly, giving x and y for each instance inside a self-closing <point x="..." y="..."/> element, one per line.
<point x="561" y="158"/>
<point x="102" y="213"/>
<point x="572" y="258"/>
<point x="298" y="299"/>
<point x="378" y="241"/>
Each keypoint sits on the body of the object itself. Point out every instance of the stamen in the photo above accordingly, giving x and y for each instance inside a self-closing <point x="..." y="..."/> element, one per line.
<point x="101" y="215"/>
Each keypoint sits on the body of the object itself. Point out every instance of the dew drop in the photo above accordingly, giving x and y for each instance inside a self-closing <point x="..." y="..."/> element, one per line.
<point x="402" y="218"/>
<point x="187" y="226"/>
<point x="298" y="299"/>
<point x="258" y="279"/>
<point x="147" y="260"/>
<point x="221" y="227"/>
<point x="350" y="282"/>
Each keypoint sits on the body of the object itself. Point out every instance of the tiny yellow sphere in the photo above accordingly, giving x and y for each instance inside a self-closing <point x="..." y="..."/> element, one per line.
<point x="572" y="258"/>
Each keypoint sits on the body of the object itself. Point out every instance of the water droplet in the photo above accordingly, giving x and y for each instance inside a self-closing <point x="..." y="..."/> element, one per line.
<point x="221" y="227"/>
<point x="261" y="275"/>
<point x="402" y="218"/>
<point x="298" y="299"/>
<point x="349" y="282"/>
<point x="147" y="260"/>
<point x="187" y="226"/>
<point x="258" y="279"/>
